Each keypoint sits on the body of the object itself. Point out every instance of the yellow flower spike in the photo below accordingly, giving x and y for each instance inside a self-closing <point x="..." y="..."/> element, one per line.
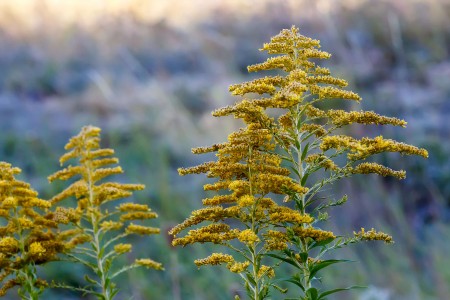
<point x="275" y="240"/>
<point x="9" y="202"/>
<point x="248" y="236"/>
<point x="149" y="263"/>
<point x="219" y="199"/>
<point x="246" y="200"/>
<point x="111" y="225"/>
<point x="36" y="250"/>
<point x="341" y="118"/>
<point x="373" y="235"/>
<point x="122" y="248"/>
<point x="266" y="271"/>
<point x="9" y="245"/>
<point x="25" y="223"/>
<point x="238" y="267"/>
<point x="133" y="207"/>
<point x="315" y="234"/>
<point x="368" y="168"/>
<point x="214" y="259"/>
<point x="282" y="214"/>
<point x="138" y="216"/>
<point x="139" y="229"/>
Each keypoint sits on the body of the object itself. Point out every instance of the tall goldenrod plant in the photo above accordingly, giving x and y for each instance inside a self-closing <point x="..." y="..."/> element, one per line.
<point x="101" y="228"/>
<point x="28" y="234"/>
<point x="270" y="157"/>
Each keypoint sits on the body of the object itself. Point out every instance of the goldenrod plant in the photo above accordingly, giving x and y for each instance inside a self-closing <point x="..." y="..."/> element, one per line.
<point x="272" y="176"/>
<point x="28" y="234"/>
<point x="102" y="227"/>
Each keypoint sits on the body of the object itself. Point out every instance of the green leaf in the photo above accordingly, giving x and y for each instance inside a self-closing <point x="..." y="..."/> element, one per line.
<point x="90" y="280"/>
<point x="303" y="256"/>
<point x="299" y="123"/>
<point x="296" y="282"/>
<point x="280" y="289"/>
<point x="295" y="171"/>
<point x="323" y="264"/>
<point x="304" y="178"/>
<point x="107" y="265"/>
<point x="285" y="259"/>
<point x="102" y="252"/>
<point x="322" y="243"/>
<point x="324" y="294"/>
<point x="107" y="282"/>
<point x="264" y="292"/>
<point x="250" y="279"/>
<point x="312" y="294"/>
<point x="305" y="151"/>
<point x="114" y="292"/>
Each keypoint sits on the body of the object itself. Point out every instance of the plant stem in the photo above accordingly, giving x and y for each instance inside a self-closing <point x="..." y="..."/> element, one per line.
<point x="96" y="242"/>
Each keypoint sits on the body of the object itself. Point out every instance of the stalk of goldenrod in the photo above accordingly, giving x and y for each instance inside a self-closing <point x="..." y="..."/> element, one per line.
<point x="303" y="138"/>
<point x="100" y="229"/>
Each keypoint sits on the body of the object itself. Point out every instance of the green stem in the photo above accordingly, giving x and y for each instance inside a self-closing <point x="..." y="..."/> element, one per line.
<point x="96" y="242"/>
<point x="253" y="227"/>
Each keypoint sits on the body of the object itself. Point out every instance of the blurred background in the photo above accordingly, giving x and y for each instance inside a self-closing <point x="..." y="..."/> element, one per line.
<point x="149" y="72"/>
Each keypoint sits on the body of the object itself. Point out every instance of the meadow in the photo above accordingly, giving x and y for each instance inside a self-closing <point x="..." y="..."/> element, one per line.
<point x="149" y="73"/>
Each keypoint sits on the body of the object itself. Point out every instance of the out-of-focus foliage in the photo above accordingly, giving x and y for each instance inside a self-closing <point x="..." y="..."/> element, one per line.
<point x="149" y="73"/>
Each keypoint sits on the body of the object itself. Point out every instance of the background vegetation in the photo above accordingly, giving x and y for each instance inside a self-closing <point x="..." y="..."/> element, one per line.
<point x="150" y="72"/>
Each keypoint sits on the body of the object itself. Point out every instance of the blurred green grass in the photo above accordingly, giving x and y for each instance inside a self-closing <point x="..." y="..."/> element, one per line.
<point x="150" y="78"/>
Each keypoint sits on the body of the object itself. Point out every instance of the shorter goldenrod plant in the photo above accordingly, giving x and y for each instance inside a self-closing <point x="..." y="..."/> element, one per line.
<point x="100" y="232"/>
<point x="297" y="156"/>
<point x="28" y="235"/>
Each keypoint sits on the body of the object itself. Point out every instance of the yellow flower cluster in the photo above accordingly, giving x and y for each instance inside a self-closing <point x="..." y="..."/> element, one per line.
<point x="361" y="149"/>
<point x="373" y="235"/>
<point x="248" y="236"/>
<point x="341" y="118"/>
<point x="139" y="229"/>
<point x="266" y="271"/>
<point x="314" y="233"/>
<point x="149" y="263"/>
<point x="368" y="168"/>
<point x="246" y="201"/>
<point x="321" y="160"/>
<point x="238" y="267"/>
<point x="275" y="240"/>
<point x="213" y="233"/>
<point x="122" y="248"/>
<point x="36" y="250"/>
<point x="265" y="85"/>
<point x="281" y="214"/>
<point x="214" y="259"/>
<point x="316" y="129"/>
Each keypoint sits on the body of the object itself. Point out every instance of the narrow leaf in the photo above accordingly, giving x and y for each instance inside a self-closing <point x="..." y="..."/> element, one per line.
<point x="280" y="289"/>
<point x="285" y="259"/>
<point x="305" y="151"/>
<point x="322" y="243"/>
<point x="304" y="178"/>
<point x="323" y="264"/>
<point x="303" y="256"/>
<point x="90" y="280"/>
<point x="297" y="283"/>
<point x="251" y="279"/>
<point x="324" y="294"/>
<point x="312" y="293"/>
